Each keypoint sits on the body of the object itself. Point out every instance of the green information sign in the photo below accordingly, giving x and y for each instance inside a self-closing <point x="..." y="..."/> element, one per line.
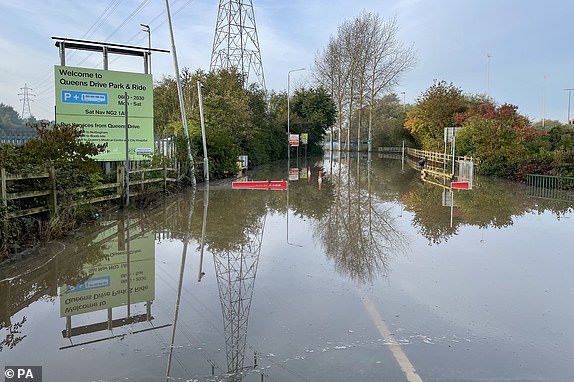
<point x="95" y="100"/>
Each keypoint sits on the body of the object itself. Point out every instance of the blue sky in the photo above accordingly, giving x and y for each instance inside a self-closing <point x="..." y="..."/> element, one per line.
<point x="530" y="43"/>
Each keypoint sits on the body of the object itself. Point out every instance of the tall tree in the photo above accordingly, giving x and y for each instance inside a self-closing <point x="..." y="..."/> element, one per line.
<point x="363" y="61"/>
<point x="434" y="111"/>
<point x="314" y="112"/>
<point x="9" y="118"/>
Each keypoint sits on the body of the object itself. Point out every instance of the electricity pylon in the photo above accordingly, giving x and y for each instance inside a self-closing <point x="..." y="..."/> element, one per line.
<point x="235" y="44"/>
<point x="25" y="98"/>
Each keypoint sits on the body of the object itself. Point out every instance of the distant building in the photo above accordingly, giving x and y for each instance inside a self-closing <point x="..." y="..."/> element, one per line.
<point x="17" y="136"/>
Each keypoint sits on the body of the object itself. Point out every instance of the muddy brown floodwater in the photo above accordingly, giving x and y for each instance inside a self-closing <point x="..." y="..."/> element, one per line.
<point x="366" y="274"/>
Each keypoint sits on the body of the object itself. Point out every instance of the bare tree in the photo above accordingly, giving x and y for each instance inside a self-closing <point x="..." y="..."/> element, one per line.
<point x="364" y="60"/>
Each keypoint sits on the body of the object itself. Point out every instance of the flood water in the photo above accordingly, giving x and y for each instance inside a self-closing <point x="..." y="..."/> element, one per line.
<point x="367" y="274"/>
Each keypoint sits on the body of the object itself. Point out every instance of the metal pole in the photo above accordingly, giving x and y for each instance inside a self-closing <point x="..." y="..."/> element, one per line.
<point x="453" y="146"/>
<point x="288" y="115"/>
<point x="569" y="90"/>
<point x="181" y="104"/>
<point x="404" y="103"/>
<point x="288" y="129"/>
<point x="543" y="101"/>
<point x="148" y="31"/>
<point x="62" y="53"/>
<point x="105" y="52"/>
<point x="488" y="56"/>
<point x="128" y="302"/>
<point x="403" y="157"/>
<point x="205" y="159"/>
<point x="127" y="161"/>
<point x="203" y="231"/>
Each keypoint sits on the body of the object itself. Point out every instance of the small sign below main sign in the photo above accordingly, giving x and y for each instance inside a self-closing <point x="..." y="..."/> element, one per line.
<point x="459" y="185"/>
<point x="144" y="151"/>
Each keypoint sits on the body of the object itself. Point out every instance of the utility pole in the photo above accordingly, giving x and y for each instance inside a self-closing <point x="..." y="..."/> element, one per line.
<point x="25" y="98"/>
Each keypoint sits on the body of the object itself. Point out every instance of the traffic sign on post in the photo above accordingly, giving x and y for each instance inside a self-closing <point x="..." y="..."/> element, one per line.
<point x="449" y="133"/>
<point x="294" y="140"/>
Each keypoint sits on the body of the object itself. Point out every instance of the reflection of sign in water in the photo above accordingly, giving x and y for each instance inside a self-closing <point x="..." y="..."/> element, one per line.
<point x="260" y="185"/>
<point x="107" y="286"/>
<point x="448" y="199"/>
<point x="294" y="174"/>
<point x="93" y="283"/>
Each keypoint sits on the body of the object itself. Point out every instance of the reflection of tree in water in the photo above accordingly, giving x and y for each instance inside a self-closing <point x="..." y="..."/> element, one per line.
<point x="492" y="203"/>
<point x="358" y="231"/>
<point x="430" y="217"/>
<point x="14" y="334"/>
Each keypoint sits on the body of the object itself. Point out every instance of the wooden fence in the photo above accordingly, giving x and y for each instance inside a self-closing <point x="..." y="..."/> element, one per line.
<point x="44" y="196"/>
<point x="433" y="160"/>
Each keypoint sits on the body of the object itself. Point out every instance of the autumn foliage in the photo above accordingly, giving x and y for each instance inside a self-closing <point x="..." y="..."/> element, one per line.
<point x="502" y="141"/>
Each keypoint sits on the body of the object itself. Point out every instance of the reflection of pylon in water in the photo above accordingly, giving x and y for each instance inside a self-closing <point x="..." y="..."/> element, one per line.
<point x="236" y="271"/>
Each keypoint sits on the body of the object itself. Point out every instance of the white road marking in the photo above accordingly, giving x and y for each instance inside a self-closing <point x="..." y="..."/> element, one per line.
<point x="401" y="358"/>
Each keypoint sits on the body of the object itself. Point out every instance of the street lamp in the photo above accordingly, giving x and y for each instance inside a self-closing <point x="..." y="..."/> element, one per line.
<point x="148" y="31"/>
<point x="569" y="90"/>
<point x="288" y="115"/>
<point x="488" y="57"/>
<point x="404" y="103"/>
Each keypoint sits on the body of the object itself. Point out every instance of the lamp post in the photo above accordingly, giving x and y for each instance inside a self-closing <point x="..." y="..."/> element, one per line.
<point x="202" y="119"/>
<point x="288" y="115"/>
<point x="488" y="57"/>
<point x="569" y="90"/>
<point x="191" y="169"/>
<point x="148" y="31"/>
<point x="543" y="102"/>
<point x="404" y="103"/>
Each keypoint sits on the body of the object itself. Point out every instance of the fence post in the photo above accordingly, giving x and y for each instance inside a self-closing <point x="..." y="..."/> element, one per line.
<point x="120" y="182"/>
<point x="53" y="198"/>
<point x="164" y="178"/>
<point x="4" y="215"/>
<point x="4" y="195"/>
